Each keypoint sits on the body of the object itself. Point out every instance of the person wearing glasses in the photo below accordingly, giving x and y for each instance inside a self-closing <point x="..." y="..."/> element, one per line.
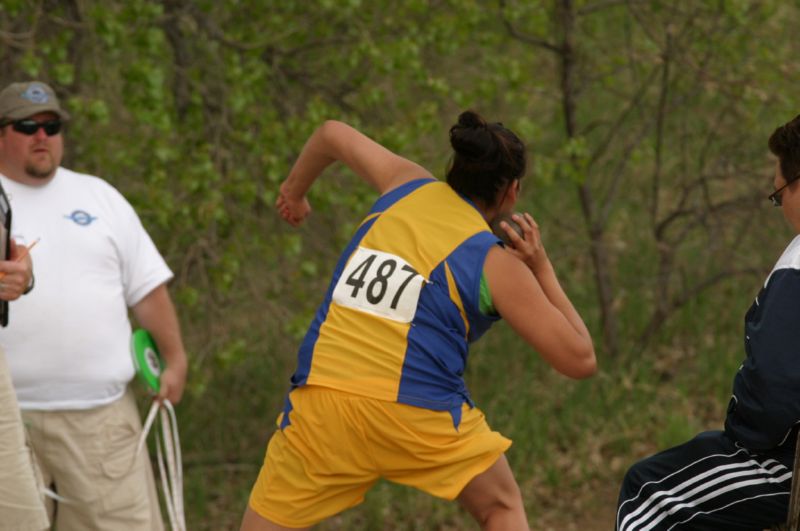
<point x="740" y="478"/>
<point x="379" y="389"/>
<point x="68" y="342"/>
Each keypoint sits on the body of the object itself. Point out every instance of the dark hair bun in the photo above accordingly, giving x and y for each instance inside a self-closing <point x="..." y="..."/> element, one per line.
<point x="471" y="137"/>
<point x="471" y="119"/>
<point x="487" y="158"/>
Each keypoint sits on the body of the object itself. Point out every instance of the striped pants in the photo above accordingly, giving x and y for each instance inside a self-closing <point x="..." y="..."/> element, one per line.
<point x="708" y="483"/>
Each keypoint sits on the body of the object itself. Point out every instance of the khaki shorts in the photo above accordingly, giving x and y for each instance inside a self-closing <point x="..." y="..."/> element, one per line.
<point x="88" y="458"/>
<point x="337" y="445"/>
<point x="21" y="502"/>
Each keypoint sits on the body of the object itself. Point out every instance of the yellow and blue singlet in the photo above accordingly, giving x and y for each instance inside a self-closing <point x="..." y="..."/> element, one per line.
<point x="404" y="303"/>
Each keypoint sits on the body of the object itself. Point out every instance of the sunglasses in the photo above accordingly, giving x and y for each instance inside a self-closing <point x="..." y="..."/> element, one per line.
<point x="775" y="196"/>
<point x="30" y="127"/>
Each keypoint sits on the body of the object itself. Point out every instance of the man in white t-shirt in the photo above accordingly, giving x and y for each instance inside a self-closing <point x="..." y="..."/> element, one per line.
<point x="68" y="342"/>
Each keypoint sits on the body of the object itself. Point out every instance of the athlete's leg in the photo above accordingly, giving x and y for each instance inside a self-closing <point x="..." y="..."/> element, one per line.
<point x="494" y="499"/>
<point x="706" y="483"/>
<point x="253" y="521"/>
<point x="316" y="464"/>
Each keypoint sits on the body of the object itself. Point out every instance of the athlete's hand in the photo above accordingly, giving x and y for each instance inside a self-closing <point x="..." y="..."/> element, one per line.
<point x="292" y="209"/>
<point x="530" y="249"/>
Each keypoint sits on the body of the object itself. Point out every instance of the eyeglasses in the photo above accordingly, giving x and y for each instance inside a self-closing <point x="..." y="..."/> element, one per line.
<point x="775" y="196"/>
<point x="30" y="127"/>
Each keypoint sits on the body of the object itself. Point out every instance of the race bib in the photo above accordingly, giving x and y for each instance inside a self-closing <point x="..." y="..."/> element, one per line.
<point x="379" y="283"/>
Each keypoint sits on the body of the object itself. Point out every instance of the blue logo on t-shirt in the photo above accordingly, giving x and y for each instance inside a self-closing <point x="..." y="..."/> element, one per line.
<point x="81" y="217"/>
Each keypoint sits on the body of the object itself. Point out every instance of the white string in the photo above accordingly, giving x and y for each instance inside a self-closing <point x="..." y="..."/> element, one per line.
<point x="168" y="457"/>
<point x="176" y="448"/>
<point x="52" y="494"/>
<point x="148" y="423"/>
<point x="165" y="486"/>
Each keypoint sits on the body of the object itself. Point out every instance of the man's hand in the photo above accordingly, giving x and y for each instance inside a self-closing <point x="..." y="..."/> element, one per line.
<point x="15" y="273"/>
<point x="156" y="313"/>
<point x="172" y="383"/>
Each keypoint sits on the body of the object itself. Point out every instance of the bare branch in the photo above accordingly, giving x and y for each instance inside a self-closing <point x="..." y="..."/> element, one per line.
<point x="709" y="282"/>
<point x="622" y="118"/>
<point x="661" y="315"/>
<point x="601" y="4"/>
<point x="700" y="215"/>
<point x="218" y="34"/>
<point x="65" y="23"/>
<point x="527" y="39"/>
<point x="618" y="173"/>
<point x="660" y="120"/>
<point x="18" y="44"/>
<point x="11" y="36"/>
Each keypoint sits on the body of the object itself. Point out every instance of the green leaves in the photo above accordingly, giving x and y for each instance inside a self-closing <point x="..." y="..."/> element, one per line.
<point x="196" y="110"/>
<point x="646" y="140"/>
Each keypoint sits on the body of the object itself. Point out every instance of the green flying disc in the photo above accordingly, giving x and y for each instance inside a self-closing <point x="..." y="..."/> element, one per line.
<point x="146" y="358"/>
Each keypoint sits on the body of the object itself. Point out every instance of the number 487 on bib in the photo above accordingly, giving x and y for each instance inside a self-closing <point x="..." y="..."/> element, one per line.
<point x="379" y="283"/>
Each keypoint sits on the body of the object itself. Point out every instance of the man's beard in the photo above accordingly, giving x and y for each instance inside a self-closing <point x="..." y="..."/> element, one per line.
<point x="40" y="171"/>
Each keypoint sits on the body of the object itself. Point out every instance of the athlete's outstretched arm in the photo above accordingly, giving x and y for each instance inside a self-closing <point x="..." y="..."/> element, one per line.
<point x="527" y="294"/>
<point x="333" y="141"/>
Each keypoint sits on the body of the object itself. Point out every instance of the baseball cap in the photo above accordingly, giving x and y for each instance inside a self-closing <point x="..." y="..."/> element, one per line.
<point x="21" y="100"/>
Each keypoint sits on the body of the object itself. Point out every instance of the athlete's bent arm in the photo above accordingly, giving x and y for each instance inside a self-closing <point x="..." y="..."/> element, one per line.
<point x="552" y="327"/>
<point x="336" y="141"/>
<point x="555" y="328"/>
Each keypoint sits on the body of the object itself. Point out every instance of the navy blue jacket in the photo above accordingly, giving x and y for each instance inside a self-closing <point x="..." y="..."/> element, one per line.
<point x="766" y="391"/>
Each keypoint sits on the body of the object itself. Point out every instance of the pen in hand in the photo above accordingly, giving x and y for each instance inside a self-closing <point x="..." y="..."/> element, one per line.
<point x="23" y="254"/>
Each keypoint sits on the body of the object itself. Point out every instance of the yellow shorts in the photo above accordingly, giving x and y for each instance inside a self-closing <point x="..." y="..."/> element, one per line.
<point x="337" y="445"/>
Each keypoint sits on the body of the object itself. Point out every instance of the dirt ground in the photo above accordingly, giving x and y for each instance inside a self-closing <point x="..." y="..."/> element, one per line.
<point x="592" y="508"/>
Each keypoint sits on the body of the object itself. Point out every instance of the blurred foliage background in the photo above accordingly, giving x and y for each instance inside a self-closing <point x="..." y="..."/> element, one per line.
<point x="646" y="123"/>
